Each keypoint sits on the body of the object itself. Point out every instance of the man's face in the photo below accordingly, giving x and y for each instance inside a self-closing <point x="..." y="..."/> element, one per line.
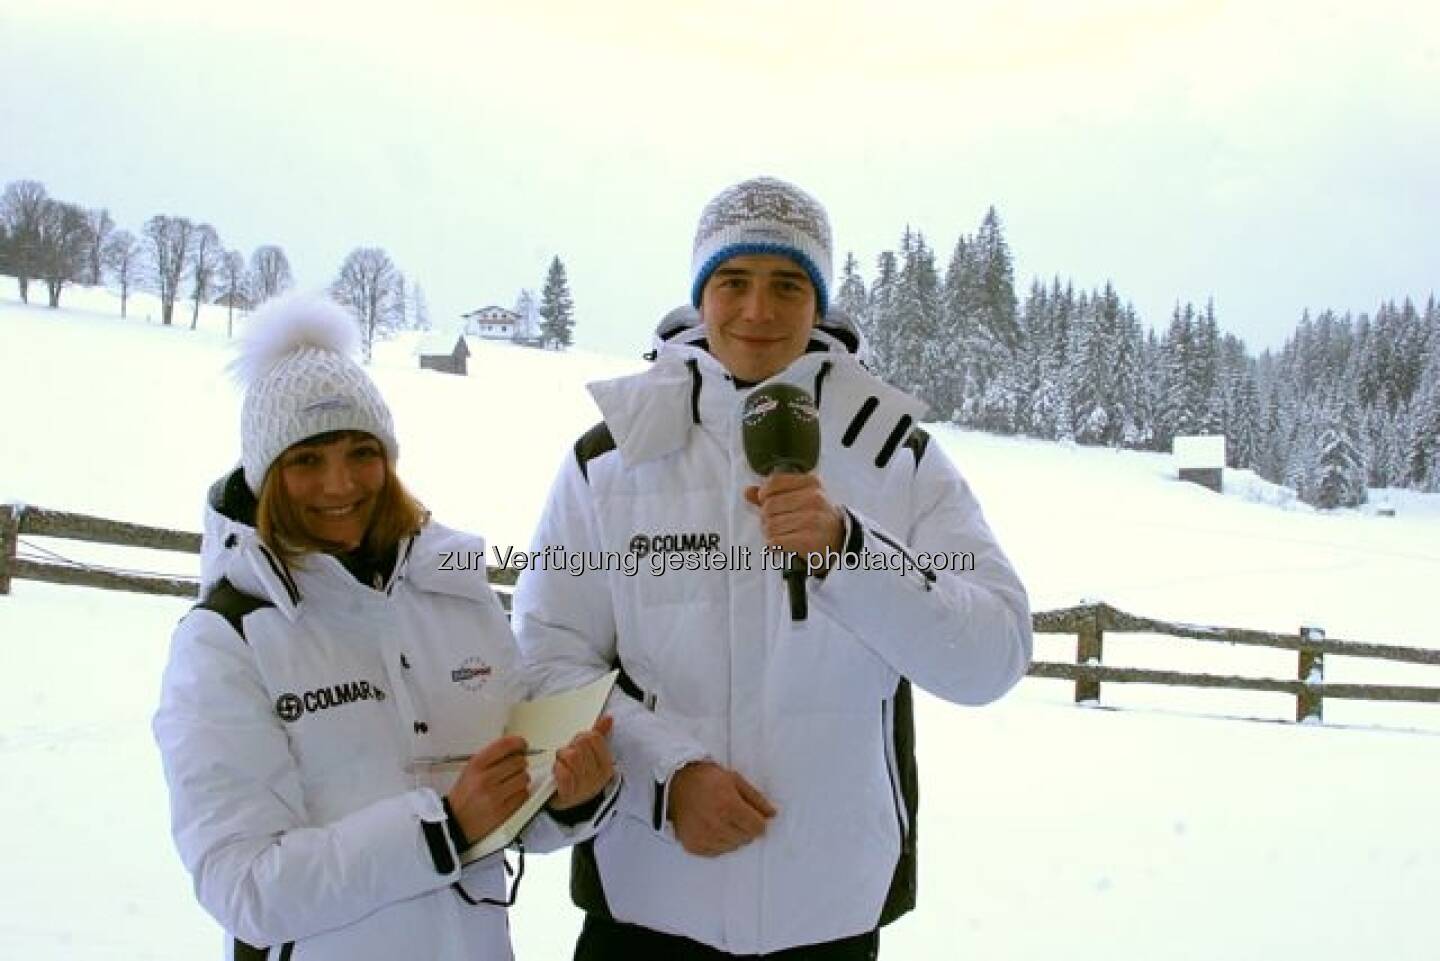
<point x="758" y="311"/>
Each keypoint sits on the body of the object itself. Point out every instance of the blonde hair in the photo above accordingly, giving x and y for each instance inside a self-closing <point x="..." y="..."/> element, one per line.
<point x="281" y="527"/>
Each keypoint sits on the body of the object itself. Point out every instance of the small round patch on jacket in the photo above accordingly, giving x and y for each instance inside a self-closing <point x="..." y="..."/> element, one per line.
<point x="289" y="707"/>
<point x="471" y="674"/>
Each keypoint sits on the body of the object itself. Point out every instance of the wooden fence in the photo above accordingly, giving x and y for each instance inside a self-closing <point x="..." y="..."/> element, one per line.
<point x="1088" y="623"/>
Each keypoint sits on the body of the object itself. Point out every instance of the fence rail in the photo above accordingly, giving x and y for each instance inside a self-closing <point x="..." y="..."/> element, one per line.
<point x="1089" y="623"/>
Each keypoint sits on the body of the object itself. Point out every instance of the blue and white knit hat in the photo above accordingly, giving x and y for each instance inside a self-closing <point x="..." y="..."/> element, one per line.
<point x="763" y="216"/>
<point x="300" y="379"/>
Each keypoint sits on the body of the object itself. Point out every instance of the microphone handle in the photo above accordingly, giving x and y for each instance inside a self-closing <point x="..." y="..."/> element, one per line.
<point x="795" y="582"/>
<point x="795" y="570"/>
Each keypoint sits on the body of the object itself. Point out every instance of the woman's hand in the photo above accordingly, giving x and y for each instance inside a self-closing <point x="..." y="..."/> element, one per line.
<point x="583" y="767"/>
<point x="491" y="786"/>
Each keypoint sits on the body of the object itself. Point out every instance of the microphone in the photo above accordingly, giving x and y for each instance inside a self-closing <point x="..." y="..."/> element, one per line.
<point x="780" y="430"/>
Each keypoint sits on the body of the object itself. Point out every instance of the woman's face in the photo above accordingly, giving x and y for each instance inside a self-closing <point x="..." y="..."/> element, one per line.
<point x="333" y="485"/>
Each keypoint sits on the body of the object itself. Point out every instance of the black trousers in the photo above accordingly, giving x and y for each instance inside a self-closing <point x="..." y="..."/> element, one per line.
<point x="604" y="940"/>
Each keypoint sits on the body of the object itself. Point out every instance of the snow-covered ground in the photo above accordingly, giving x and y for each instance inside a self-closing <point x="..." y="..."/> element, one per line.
<point x="1173" y="829"/>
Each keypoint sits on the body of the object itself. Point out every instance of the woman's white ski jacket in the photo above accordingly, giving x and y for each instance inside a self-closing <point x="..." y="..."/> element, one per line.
<point x="288" y="724"/>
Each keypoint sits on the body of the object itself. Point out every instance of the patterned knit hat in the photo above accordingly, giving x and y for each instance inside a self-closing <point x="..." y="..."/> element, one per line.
<point x="763" y="216"/>
<point x="299" y="379"/>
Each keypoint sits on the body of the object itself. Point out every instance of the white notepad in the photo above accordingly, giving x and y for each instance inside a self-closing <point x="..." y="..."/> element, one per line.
<point x="547" y="724"/>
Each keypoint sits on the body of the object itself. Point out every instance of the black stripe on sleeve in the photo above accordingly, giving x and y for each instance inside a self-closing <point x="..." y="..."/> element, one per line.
<point x="438" y="845"/>
<point x="893" y="441"/>
<point x="858" y="424"/>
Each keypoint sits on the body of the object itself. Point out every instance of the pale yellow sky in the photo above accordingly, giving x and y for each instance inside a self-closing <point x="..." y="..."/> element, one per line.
<point x="1180" y="149"/>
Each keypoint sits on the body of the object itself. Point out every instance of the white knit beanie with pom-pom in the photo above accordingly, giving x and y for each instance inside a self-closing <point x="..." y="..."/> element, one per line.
<point x="295" y="365"/>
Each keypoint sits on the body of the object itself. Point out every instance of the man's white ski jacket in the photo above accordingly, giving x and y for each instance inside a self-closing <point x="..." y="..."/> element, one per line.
<point x="815" y="713"/>
<point x="293" y="704"/>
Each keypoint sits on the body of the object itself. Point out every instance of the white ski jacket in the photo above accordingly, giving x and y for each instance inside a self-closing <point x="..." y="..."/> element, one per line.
<point x="815" y="713"/>
<point x="288" y="718"/>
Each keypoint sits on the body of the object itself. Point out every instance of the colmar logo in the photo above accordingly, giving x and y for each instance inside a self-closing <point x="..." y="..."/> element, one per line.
<point x="696" y="542"/>
<point x="291" y="707"/>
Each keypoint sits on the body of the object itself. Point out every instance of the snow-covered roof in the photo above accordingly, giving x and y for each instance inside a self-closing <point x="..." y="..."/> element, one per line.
<point x="493" y="309"/>
<point x="1199" y="452"/>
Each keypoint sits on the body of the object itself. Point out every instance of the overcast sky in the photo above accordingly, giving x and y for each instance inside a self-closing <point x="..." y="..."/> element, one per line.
<point x="1275" y="155"/>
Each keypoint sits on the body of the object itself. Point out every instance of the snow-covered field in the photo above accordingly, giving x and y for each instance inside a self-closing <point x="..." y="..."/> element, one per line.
<point x="1174" y="829"/>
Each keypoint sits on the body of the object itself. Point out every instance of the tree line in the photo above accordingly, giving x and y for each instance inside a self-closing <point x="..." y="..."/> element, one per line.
<point x="182" y="261"/>
<point x="58" y="243"/>
<point x="1347" y="402"/>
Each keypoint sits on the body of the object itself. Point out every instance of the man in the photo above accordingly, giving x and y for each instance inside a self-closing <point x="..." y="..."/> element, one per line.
<point x="770" y="785"/>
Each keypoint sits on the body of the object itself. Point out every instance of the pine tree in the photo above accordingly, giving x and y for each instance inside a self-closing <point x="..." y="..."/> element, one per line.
<point x="880" y="320"/>
<point x="851" y="298"/>
<point x="918" y="350"/>
<point x="557" y="308"/>
<point x="1176" y="415"/>
<point x="1338" y="478"/>
<point x="981" y="319"/>
<point x="1422" y="454"/>
<point x="960" y="309"/>
<point x="997" y="283"/>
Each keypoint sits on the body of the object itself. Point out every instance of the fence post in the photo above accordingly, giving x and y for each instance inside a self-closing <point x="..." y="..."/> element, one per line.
<point x="1309" y="702"/>
<point x="1089" y="647"/>
<point x="9" y="541"/>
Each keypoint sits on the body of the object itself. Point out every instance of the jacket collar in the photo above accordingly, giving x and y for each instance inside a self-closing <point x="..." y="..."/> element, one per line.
<point x="651" y="414"/>
<point x="230" y="548"/>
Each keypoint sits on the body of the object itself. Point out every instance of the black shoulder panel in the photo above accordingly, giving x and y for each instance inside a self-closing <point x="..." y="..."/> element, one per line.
<point x="224" y="599"/>
<point x="231" y="497"/>
<point x="917" y="443"/>
<point x="592" y="444"/>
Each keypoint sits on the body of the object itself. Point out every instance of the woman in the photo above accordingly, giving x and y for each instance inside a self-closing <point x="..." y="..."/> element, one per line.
<point x="335" y="651"/>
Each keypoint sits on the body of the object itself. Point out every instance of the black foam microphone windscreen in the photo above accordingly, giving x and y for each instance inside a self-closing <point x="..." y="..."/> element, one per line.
<point x="780" y="429"/>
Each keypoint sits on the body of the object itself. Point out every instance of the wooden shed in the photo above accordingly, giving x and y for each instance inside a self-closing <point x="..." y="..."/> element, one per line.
<point x="445" y="352"/>
<point x="1201" y="459"/>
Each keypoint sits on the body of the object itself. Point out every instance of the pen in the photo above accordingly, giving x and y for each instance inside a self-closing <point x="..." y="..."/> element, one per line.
<point x="442" y="759"/>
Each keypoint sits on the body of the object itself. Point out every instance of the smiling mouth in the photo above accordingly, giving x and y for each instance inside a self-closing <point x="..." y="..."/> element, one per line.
<point x="344" y="511"/>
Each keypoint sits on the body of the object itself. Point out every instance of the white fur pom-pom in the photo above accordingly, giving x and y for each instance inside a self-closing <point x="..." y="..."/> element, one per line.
<point x="287" y="323"/>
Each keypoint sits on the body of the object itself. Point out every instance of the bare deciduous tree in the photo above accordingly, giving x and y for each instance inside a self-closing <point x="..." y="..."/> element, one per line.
<point x="367" y="286"/>
<point x="21" y="207"/>
<point x="122" y="254"/>
<point x="61" y="243"/>
<point x="100" y="225"/>
<point x="269" y="273"/>
<point x="204" y="262"/>
<point x="237" y="282"/>
<point x="170" y="242"/>
<point x="402" y="302"/>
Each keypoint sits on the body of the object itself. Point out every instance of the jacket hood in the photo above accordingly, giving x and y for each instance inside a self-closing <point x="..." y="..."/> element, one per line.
<point x="836" y="332"/>
<point x="650" y="414"/>
<point x="229" y="517"/>
<point x="230" y="548"/>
